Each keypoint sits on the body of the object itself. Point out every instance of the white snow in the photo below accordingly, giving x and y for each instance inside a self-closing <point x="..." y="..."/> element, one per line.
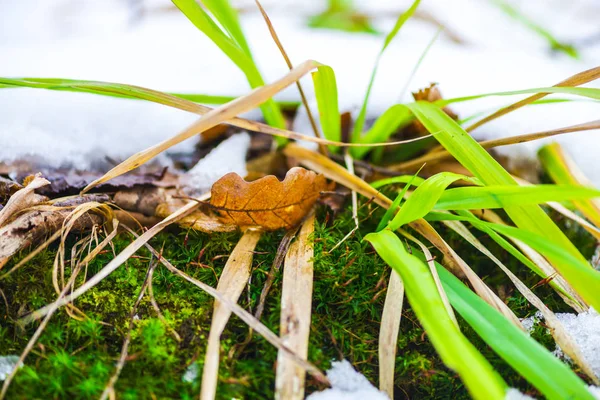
<point x="347" y="384"/>
<point x="7" y="365"/>
<point x="515" y="394"/>
<point x="191" y="373"/>
<point x="228" y="156"/>
<point x="585" y="330"/>
<point x="162" y="50"/>
<point x="595" y="391"/>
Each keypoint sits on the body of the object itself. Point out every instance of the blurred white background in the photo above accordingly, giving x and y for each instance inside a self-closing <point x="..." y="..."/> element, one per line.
<point x="149" y="43"/>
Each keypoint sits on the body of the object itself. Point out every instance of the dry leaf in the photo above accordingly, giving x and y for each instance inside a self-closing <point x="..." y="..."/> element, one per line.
<point x="266" y="203"/>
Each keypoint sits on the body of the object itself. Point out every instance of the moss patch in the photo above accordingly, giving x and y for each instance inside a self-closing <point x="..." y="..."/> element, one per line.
<point x="74" y="359"/>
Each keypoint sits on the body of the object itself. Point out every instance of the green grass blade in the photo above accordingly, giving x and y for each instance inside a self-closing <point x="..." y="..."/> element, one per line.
<point x="394" y="118"/>
<point x="327" y="101"/>
<point x="390" y="211"/>
<point x="194" y="12"/>
<point x="120" y="90"/>
<point x="469" y="198"/>
<point x="415" y="181"/>
<point x="529" y="358"/>
<point x="454" y="349"/>
<point x="360" y="120"/>
<point x="563" y="170"/>
<point x="228" y="18"/>
<point x="481" y="164"/>
<point x="424" y="198"/>
<point x="554" y="43"/>
<point x="579" y="273"/>
<point x="591" y="93"/>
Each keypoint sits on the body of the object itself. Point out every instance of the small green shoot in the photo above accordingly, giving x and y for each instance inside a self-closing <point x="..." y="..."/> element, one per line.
<point x="360" y="121"/>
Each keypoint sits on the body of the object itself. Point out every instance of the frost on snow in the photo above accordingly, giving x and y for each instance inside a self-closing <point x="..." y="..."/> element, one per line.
<point x="347" y="384"/>
<point x="7" y="364"/>
<point x="228" y="156"/>
<point x="585" y="330"/>
<point x="515" y="394"/>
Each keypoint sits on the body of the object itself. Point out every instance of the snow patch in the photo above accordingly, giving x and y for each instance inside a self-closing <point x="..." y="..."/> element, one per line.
<point x="585" y="330"/>
<point x="7" y="365"/>
<point x="347" y="384"/>
<point x="529" y="322"/>
<point x="595" y="391"/>
<point x="191" y="373"/>
<point x="515" y="394"/>
<point x="228" y="156"/>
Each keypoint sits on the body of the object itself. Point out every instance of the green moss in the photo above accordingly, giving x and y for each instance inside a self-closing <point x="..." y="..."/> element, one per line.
<point x="75" y="358"/>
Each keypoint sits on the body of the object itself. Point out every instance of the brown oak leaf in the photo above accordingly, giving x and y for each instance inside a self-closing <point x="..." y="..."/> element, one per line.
<point x="267" y="203"/>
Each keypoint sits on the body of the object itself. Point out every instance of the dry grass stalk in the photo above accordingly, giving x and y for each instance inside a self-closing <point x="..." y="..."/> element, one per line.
<point x="51" y="309"/>
<point x="248" y="318"/>
<point x="561" y="336"/>
<point x="575" y="80"/>
<point x="231" y="284"/>
<point x="115" y="262"/>
<point x="545" y="267"/>
<point x="23" y="199"/>
<point x="339" y="174"/>
<point x="388" y="333"/>
<point x="313" y="124"/>
<point x="479" y="286"/>
<point x="440" y="153"/>
<point x="296" y="302"/>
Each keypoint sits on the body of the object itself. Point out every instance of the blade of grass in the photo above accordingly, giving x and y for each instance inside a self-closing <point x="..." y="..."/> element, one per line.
<point x="360" y="120"/>
<point x="140" y="93"/>
<point x="590" y="93"/>
<point x="291" y="66"/>
<point x="394" y="207"/>
<point x="210" y="119"/>
<point x="551" y="249"/>
<point x="553" y="378"/>
<point x="394" y="118"/>
<point x="532" y="218"/>
<point x="563" y="170"/>
<point x="467" y="198"/>
<point x="335" y="172"/>
<point x="557" y="330"/>
<point x="414" y="179"/>
<point x="388" y="333"/>
<point x="488" y="144"/>
<point x="424" y="198"/>
<point x="294" y="322"/>
<point x="228" y="18"/>
<point x="326" y="95"/>
<point x="231" y="284"/>
<point x="454" y="349"/>
<point x="238" y="55"/>
<point x="575" y="80"/>
<point x="518" y="16"/>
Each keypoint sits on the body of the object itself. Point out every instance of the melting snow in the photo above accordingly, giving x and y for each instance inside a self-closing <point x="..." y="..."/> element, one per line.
<point x="228" y="156"/>
<point x="7" y="365"/>
<point x="347" y="384"/>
